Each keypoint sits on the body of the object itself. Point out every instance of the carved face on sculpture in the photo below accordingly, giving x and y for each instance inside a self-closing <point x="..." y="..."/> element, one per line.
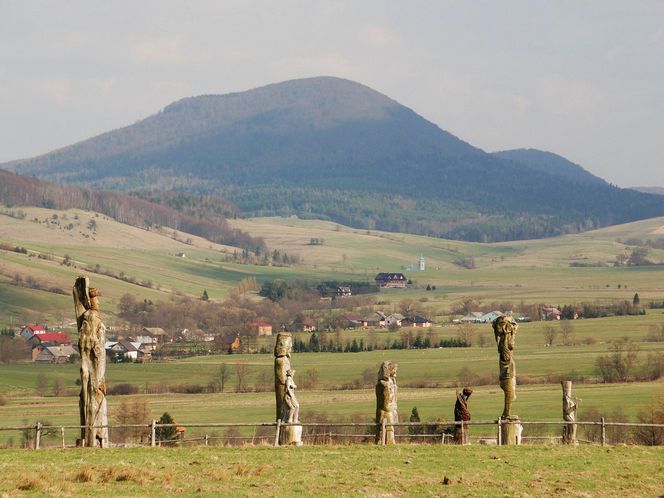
<point x="504" y="325"/>
<point x="94" y="298"/>
<point x="387" y="369"/>
<point x="284" y="345"/>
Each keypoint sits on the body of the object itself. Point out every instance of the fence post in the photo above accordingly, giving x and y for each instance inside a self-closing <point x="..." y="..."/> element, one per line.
<point x="603" y="433"/>
<point x="499" y="439"/>
<point x="38" y="429"/>
<point x="153" y="433"/>
<point x="62" y="433"/>
<point x="277" y="433"/>
<point x="206" y="440"/>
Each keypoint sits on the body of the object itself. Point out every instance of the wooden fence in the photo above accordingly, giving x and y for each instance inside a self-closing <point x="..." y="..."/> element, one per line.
<point x="377" y="432"/>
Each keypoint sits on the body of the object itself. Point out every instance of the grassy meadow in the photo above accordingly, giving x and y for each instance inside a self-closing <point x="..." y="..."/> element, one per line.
<point x="336" y="386"/>
<point x="536" y="271"/>
<point x="403" y="470"/>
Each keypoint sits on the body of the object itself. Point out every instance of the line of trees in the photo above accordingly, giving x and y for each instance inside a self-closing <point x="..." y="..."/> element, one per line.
<point x="27" y="191"/>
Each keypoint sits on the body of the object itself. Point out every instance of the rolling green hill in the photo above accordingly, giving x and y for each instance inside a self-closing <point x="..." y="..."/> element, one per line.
<point x="144" y="263"/>
<point x="333" y="149"/>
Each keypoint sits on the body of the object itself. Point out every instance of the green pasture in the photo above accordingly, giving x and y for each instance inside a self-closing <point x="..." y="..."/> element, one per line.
<point x="402" y="470"/>
<point x="534" y="402"/>
<point x="536" y="271"/>
<point x="441" y="366"/>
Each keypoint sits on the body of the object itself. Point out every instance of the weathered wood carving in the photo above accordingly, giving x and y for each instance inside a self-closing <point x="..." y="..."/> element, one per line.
<point x="91" y="340"/>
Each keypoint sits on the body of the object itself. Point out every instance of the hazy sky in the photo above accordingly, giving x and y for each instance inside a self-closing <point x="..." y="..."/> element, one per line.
<point x="584" y="79"/>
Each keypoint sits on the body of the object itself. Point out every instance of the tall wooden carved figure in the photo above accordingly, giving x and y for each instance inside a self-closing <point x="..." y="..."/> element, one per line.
<point x="504" y="329"/>
<point x="91" y="340"/>
<point x="287" y="406"/>
<point x="569" y="413"/>
<point x="386" y="402"/>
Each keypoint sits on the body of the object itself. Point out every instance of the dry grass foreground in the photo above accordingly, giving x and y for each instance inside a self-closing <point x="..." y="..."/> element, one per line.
<point x="406" y="470"/>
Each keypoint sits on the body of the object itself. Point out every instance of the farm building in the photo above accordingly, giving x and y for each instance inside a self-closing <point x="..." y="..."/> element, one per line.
<point x="49" y="339"/>
<point x="550" y="313"/>
<point x="54" y="354"/>
<point x="308" y="324"/>
<point x="375" y="319"/>
<point x="29" y="330"/>
<point x="344" y="292"/>
<point x="416" y="321"/>
<point x="153" y="335"/>
<point x="127" y="350"/>
<point x="472" y="317"/>
<point x="394" y="319"/>
<point x="261" y="328"/>
<point x="391" y="280"/>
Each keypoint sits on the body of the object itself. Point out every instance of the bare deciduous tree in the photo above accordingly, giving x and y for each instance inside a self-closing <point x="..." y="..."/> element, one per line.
<point x="223" y="375"/>
<point x="466" y="332"/>
<point x="550" y="333"/>
<point x="241" y="372"/>
<point x="566" y="332"/>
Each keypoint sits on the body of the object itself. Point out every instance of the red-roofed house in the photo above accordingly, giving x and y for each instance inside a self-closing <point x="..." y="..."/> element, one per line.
<point x="550" y="313"/>
<point x="49" y="339"/>
<point x="261" y="328"/>
<point x="30" y="330"/>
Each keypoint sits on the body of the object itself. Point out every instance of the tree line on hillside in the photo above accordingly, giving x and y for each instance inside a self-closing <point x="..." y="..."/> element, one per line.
<point x="16" y="190"/>
<point x="277" y="290"/>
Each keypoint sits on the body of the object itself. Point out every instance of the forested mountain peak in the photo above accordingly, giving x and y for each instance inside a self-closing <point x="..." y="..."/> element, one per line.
<point x="550" y="163"/>
<point x="334" y="149"/>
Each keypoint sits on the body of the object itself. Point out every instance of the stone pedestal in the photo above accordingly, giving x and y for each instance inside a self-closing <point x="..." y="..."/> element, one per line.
<point x="292" y="435"/>
<point x="510" y="430"/>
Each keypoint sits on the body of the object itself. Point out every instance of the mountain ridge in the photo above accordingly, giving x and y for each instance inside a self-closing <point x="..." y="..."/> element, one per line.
<point x="332" y="148"/>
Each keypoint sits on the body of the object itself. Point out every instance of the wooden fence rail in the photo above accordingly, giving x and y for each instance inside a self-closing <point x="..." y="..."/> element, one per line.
<point x="39" y="429"/>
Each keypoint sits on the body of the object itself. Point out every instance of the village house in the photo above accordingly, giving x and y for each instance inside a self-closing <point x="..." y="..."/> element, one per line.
<point x="29" y="330"/>
<point x="550" y="313"/>
<point x="375" y="319"/>
<point x="196" y="335"/>
<point x="472" y="317"/>
<point x="391" y="280"/>
<point x="308" y="324"/>
<point x="415" y="321"/>
<point x="49" y="339"/>
<point x="260" y="328"/>
<point x="55" y="354"/>
<point x="152" y="337"/>
<point x="394" y="320"/>
<point x="344" y="292"/>
<point x="478" y="317"/>
<point x="126" y="350"/>
<point x="489" y="317"/>
<point x="353" y="320"/>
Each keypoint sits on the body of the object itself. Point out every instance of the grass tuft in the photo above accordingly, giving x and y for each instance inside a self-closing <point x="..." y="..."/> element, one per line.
<point x="86" y="474"/>
<point x="29" y="484"/>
